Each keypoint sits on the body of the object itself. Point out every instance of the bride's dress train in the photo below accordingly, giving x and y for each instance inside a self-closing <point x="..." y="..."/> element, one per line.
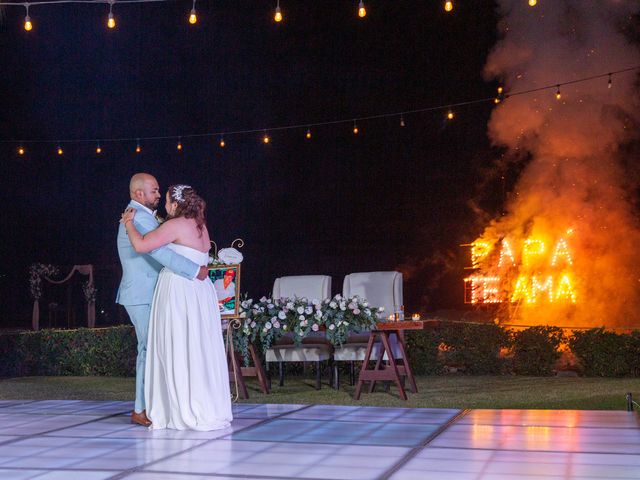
<point x="186" y="375"/>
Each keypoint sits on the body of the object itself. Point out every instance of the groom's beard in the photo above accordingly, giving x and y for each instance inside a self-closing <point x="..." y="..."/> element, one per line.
<point x="152" y="205"/>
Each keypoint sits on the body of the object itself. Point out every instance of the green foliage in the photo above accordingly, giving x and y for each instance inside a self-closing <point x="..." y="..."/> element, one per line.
<point x="422" y="349"/>
<point x="535" y="350"/>
<point x="104" y="351"/>
<point x="606" y="354"/>
<point x="474" y="347"/>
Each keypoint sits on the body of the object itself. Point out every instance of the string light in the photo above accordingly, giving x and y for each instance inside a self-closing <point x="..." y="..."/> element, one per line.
<point x="179" y="145"/>
<point x="222" y="144"/>
<point x="111" y="21"/>
<point x="402" y="120"/>
<point x="193" y="17"/>
<point x="138" y="149"/>
<point x="362" y="12"/>
<point x="98" y="149"/>
<point x="28" y="26"/>
<point x="558" y="95"/>
<point x="278" y="16"/>
<point x="537" y="287"/>
<point x="308" y="135"/>
<point x="533" y="3"/>
<point x="355" y="128"/>
<point x="505" y="251"/>
<point x="561" y="250"/>
<point x="450" y="115"/>
<point x="448" y="6"/>
<point x="60" y="151"/>
<point x="20" y="150"/>
<point x="266" y="138"/>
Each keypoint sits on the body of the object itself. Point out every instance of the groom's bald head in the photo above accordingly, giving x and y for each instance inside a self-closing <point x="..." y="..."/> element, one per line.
<point x="144" y="189"/>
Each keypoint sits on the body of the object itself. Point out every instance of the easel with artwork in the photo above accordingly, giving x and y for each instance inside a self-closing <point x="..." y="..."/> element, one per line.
<point x="224" y="273"/>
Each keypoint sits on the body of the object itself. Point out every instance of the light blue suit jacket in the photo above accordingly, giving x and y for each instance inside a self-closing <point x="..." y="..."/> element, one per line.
<point x="140" y="270"/>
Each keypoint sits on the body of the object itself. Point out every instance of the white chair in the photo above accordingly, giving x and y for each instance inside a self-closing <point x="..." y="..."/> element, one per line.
<point x="314" y="348"/>
<point x="380" y="289"/>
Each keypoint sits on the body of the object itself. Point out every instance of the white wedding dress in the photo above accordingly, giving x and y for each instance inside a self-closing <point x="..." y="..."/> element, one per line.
<point x="186" y="375"/>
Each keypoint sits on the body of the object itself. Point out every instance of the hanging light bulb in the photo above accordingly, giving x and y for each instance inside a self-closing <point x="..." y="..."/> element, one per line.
<point x="193" y="18"/>
<point x="355" y="128"/>
<point x="111" y="21"/>
<point x="28" y="26"/>
<point x="278" y="16"/>
<point x="266" y="138"/>
<point x="20" y="150"/>
<point x="138" y="149"/>
<point x="448" y="6"/>
<point x="558" y="95"/>
<point x="60" y="151"/>
<point x="362" y="12"/>
<point x="308" y="135"/>
<point x="98" y="149"/>
<point x="222" y="144"/>
<point x="179" y="146"/>
<point x="533" y="3"/>
<point x="450" y="115"/>
<point x="610" y="82"/>
<point x="401" y="120"/>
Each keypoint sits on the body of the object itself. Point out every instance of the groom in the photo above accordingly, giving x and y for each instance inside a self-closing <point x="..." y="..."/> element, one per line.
<point x="140" y="274"/>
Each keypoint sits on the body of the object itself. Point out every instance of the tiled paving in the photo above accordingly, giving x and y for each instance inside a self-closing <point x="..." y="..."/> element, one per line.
<point x="94" y="440"/>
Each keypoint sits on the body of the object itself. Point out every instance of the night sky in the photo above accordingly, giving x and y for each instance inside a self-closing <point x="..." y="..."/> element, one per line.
<point x="388" y="198"/>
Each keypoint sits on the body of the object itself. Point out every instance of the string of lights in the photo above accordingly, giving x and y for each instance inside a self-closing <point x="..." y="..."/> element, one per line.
<point x="278" y="15"/>
<point x="448" y="111"/>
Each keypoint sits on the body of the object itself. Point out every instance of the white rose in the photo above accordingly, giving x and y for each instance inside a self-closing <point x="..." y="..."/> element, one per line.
<point x="333" y="304"/>
<point x="318" y="315"/>
<point x="289" y="305"/>
<point x="274" y="319"/>
<point x="315" y="327"/>
<point x="352" y="306"/>
<point x="367" y="311"/>
<point x="282" y="315"/>
<point x="263" y="299"/>
<point x="318" y="307"/>
<point x="269" y="300"/>
<point x="356" y="311"/>
<point x="253" y="324"/>
<point x="308" y="310"/>
<point x="270" y="305"/>
<point x="300" y="310"/>
<point x="244" y="304"/>
<point x="301" y="317"/>
<point x="276" y="324"/>
<point x="284" y="327"/>
<point x="338" y="297"/>
<point x="332" y="327"/>
<point x="381" y="309"/>
<point x="343" y="307"/>
<point x="365" y="304"/>
<point x="315" y="301"/>
<point x="267" y="325"/>
<point x="302" y="323"/>
<point x="243" y="315"/>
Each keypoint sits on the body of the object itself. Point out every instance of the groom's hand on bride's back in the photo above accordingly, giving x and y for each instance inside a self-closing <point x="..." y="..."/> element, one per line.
<point x="203" y="273"/>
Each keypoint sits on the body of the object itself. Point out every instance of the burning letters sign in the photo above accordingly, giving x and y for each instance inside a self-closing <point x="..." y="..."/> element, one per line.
<point x="529" y="272"/>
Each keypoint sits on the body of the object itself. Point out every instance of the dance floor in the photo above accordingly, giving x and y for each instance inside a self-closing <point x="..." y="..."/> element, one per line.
<point x="94" y="440"/>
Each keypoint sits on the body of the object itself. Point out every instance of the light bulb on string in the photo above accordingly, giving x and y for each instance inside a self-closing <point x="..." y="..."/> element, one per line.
<point x="179" y="145"/>
<point x="558" y="94"/>
<point x="265" y="138"/>
<point x="610" y="82"/>
<point x="402" y="120"/>
<point x="355" y="128"/>
<point x="60" y="151"/>
<point x="533" y="3"/>
<point x="278" y="15"/>
<point x="20" y="150"/>
<point x="448" y="6"/>
<point x="308" y="135"/>
<point x="221" y="143"/>
<point x="98" y="149"/>
<point x="193" y="17"/>
<point x="111" y="21"/>
<point x="28" y="26"/>
<point x="138" y="148"/>
<point x="362" y="12"/>
<point x="450" y="115"/>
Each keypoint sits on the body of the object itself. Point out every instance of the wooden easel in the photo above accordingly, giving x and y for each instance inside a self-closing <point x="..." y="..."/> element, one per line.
<point x="235" y="363"/>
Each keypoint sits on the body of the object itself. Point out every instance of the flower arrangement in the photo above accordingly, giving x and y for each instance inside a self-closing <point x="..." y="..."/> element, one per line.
<point x="36" y="272"/>
<point x="266" y="320"/>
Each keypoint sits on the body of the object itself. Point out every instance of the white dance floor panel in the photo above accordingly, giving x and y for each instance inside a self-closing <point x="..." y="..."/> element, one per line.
<point x="94" y="440"/>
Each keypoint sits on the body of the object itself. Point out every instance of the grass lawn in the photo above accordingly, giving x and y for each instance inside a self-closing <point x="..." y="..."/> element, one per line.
<point x="441" y="391"/>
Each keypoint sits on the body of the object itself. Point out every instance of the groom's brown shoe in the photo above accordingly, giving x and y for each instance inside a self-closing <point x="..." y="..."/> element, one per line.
<point x="140" y="418"/>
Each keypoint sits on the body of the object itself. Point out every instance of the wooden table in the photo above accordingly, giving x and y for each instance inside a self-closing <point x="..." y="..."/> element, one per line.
<point x="393" y="371"/>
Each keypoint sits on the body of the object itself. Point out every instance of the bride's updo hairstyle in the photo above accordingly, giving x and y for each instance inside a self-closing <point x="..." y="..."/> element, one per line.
<point x="190" y="204"/>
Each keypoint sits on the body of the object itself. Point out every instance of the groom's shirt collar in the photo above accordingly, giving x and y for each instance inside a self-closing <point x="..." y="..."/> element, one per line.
<point x="146" y="209"/>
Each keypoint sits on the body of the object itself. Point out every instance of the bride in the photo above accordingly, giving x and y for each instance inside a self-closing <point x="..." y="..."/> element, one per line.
<point x="187" y="378"/>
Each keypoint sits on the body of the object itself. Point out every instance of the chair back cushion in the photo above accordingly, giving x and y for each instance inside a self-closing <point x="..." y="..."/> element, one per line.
<point x="381" y="289"/>
<point x="310" y="286"/>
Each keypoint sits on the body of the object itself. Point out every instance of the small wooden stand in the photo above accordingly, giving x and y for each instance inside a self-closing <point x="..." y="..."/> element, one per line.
<point x="393" y="371"/>
<point x="235" y="362"/>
